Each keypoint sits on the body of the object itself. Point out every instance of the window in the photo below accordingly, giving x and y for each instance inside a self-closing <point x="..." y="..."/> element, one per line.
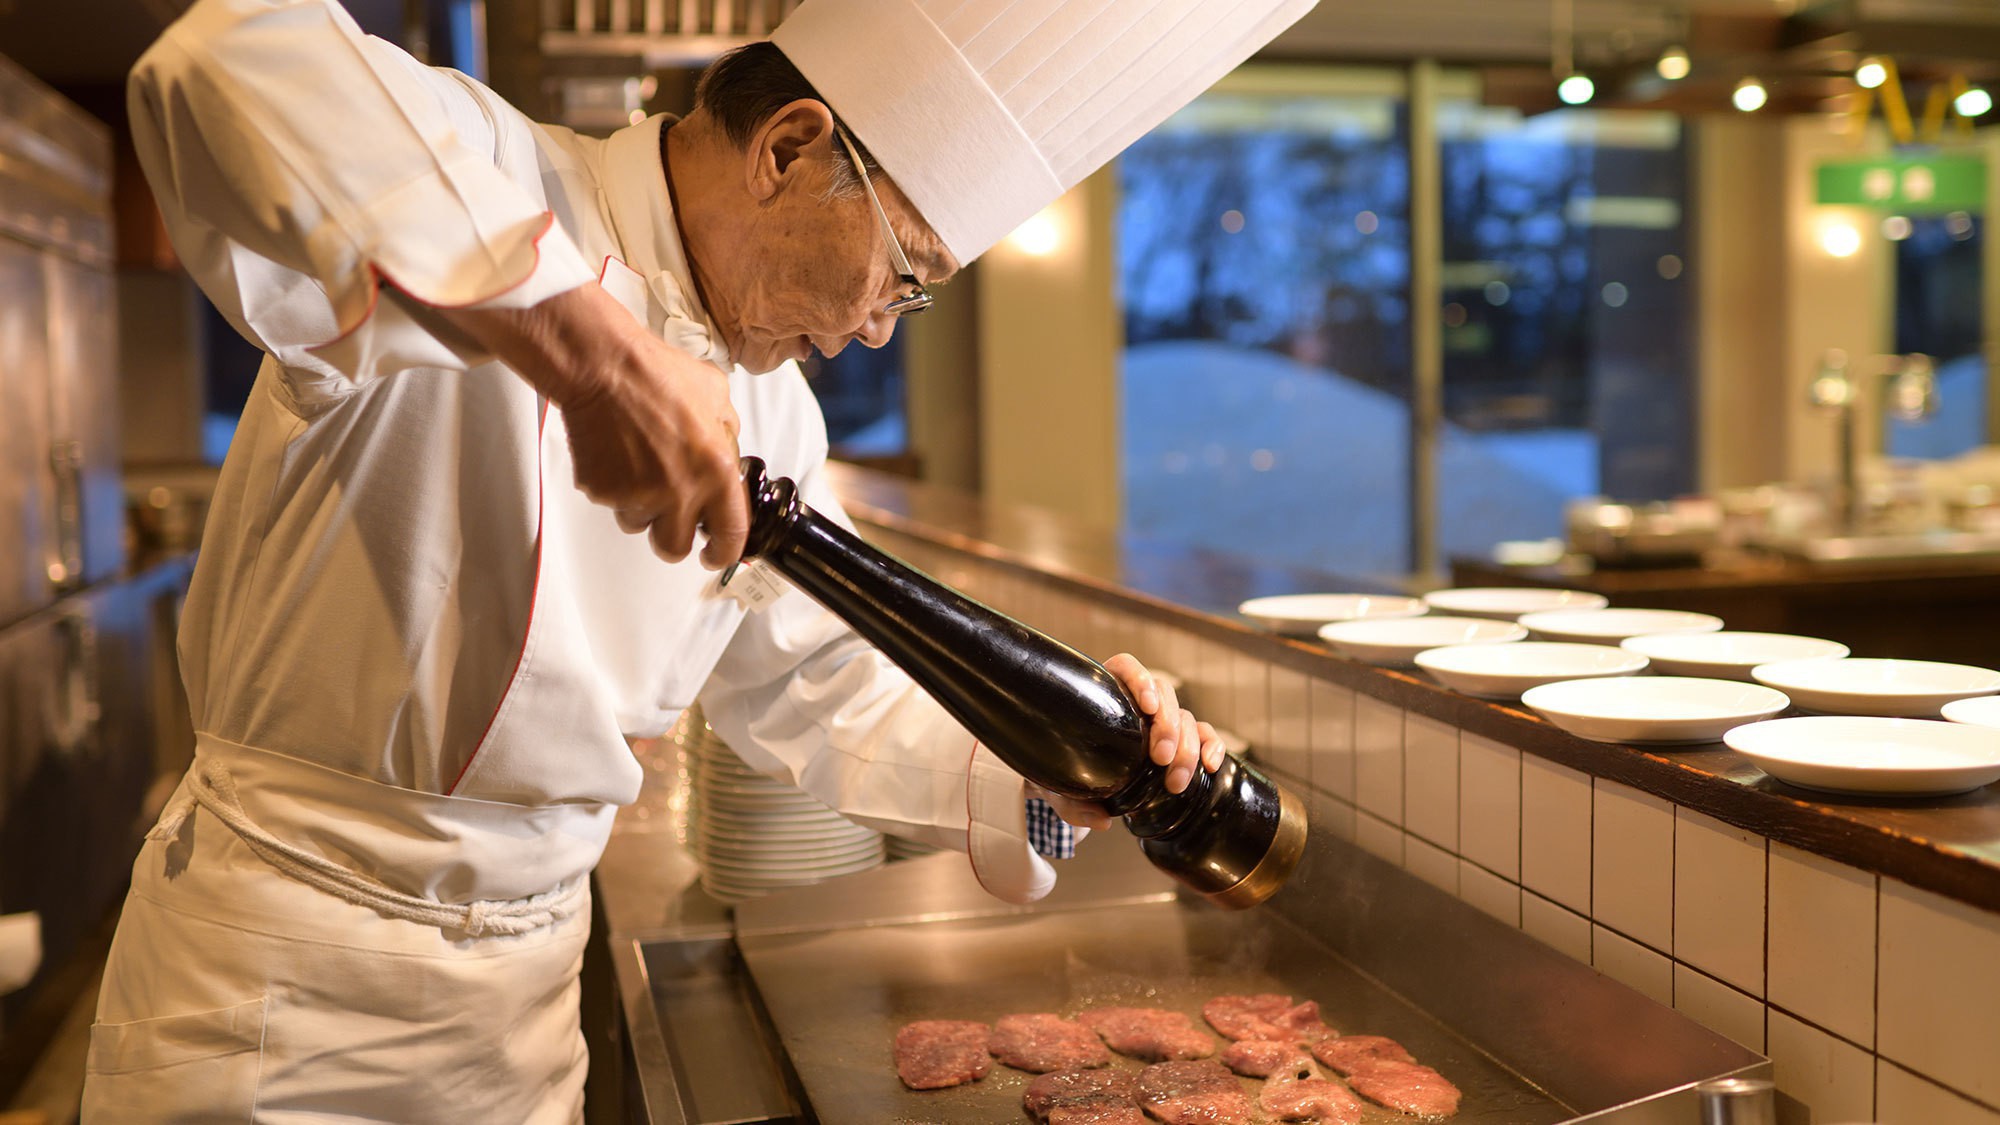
<point x="1264" y="264"/>
<point x="1938" y="295"/>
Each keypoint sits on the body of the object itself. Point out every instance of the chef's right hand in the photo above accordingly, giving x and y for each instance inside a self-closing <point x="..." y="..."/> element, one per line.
<point x="652" y="432"/>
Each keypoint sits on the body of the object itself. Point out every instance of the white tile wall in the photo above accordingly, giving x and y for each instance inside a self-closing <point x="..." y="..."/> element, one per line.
<point x="1333" y="739"/>
<point x="1822" y="943"/>
<point x="1430" y="780"/>
<point x="1428" y="862"/>
<point x="1834" y="1078"/>
<point x="1489" y="804"/>
<point x="1379" y="837"/>
<point x="1556" y="926"/>
<point x="1378" y="758"/>
<point x="1489" y="892"/>
<point x="1288" y="744"/>
<point x="1632" y="863"/>
<point x="1630" y="963"/>
<point x="1719" y="1007"/>
<point x="1902" y="1098"/>
<point x="1719" y="900"/>
<point x="1939" y="991"/>
<point x="1555" y="832"/>
<point x="1576" y="846"/>
<point x="1251" y="709"/>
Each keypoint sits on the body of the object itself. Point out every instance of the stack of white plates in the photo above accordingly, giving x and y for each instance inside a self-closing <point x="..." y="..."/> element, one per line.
<point x="1509" y="603"/>
<point x="753" y="835"/>
<point x="1301" y="615"/>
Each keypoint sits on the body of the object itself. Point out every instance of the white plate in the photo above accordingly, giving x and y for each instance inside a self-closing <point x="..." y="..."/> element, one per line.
<point x="1978" y="711"/>
<point x="1726" y="655"/>
<point x="1397" y="642"/>
<point x="1505" y="671"/>
<point x="1915" y="689"/>
<point x="1299" y="615"/>
<point x="1872" y="755"/>
<point x="1610" y="626"/>
<point x="1653" y="709"/>
<point x="1507" y="603"/>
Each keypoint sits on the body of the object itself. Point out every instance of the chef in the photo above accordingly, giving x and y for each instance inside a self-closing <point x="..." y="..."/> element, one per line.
<point x="508" y="373"/>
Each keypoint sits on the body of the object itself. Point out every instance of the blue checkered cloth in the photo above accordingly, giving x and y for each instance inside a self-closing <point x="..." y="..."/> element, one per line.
<point x="1049" y="834"/>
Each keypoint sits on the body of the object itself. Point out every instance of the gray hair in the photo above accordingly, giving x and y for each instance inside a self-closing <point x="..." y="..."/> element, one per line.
<point x="743" y="88"/>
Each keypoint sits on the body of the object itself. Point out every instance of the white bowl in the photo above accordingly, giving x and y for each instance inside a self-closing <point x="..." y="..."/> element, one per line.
<point x="1978" y="711"/>
<point x="1727" y="655"/>
<point x="1872" y="755"/>
<point x="1610" y="626"/>
<point x="1916" y="689"/>
<point x="1397" y="642"/>
<point x="1505" y="671"/>
<point x="1301" y="615"/>
<point x="1653" y="709"/>
<point x="1508" y="603"/>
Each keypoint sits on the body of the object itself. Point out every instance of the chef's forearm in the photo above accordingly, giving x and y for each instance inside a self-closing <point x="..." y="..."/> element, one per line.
<point x="570" y="347"/>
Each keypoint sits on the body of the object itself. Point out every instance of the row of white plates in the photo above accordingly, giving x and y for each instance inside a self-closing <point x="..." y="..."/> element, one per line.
<point x="1718" y="685"/>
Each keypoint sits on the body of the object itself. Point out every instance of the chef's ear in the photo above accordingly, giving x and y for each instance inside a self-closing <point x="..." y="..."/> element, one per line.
<point x="788" y="143"/>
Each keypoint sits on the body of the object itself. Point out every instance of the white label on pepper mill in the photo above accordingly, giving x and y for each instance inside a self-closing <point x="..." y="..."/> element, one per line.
<point x="754" y="587"/>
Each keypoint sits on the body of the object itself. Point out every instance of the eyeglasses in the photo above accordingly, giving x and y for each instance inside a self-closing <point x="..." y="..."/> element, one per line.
<point x="910" y="303"/>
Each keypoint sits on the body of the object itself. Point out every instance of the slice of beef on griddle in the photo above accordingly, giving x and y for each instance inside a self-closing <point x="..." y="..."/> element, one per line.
<point x="1351" y="1054"/>
<point x="1153" y="1034"/>
<point x="1083" y="1097"/>
<point x="1041" y="1042"/>
<point x="1288" y="1097"/>
<point x="1247" y="1017"/>
<point x="934" y="1054"/>
<point x="1262" y="1058"/>
<point x="1406" y="1088"/>
<point x="1194" y="1092"/>
<point x="1267" y="1015"/>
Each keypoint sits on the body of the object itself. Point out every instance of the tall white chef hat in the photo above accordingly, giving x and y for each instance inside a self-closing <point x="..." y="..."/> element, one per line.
<point x="985" y="111"/>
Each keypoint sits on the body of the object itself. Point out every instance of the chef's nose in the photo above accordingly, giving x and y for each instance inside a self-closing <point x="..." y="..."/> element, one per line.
<point x="876" y="332"/>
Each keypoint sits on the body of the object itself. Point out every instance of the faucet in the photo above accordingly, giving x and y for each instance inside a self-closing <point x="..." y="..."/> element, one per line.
<point x="1907" y="386"/>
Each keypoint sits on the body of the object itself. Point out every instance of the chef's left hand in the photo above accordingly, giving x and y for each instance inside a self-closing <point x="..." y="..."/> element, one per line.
<point x="1175" y="738"/>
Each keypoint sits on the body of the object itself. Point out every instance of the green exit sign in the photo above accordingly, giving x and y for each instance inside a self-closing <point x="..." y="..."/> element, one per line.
<point x="1910" y="184"/>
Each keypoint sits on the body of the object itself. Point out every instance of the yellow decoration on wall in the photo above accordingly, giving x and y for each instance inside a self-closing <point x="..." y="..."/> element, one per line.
<point x="1941" y="101"/>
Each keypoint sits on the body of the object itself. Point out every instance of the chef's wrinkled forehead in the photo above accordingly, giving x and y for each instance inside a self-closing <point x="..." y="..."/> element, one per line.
<point x="985" y="111"/>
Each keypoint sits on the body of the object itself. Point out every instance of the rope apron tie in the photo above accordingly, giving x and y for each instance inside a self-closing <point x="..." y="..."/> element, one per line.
<point x="210" y="786"/>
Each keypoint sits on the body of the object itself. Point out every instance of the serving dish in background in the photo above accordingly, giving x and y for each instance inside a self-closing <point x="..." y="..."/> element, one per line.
<point x="1612" y="626"/>
<point x="1976" y="711"/>
<point x="1509" y="603"/>
<point x="1396" y="642"/>
<point x="1872" y="755"/>
<point x="1661" y="710"/>
<point x="1727" y="655"/>
<point x="1912" y="689"/>
<point x="1505" y="671"/>
<point x="1301" y="615"/>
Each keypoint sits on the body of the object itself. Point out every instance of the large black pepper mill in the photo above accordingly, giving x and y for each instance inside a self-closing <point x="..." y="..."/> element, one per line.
<point x="1051" y="713"/>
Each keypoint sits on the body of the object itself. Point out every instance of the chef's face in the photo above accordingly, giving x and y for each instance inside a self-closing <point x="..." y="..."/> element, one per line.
<point x="823" y="274"/>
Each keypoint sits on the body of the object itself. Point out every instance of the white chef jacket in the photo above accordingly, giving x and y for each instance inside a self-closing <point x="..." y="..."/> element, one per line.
<point x="397" y="574"/>
<point x="412" y="649"/>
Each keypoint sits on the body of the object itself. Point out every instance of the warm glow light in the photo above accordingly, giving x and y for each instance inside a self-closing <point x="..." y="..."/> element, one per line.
<point x="1576" y="90"/>
<point x="1750" y="95"/>
<point x="1973" y="102"/>
<point x="1674" y="64"/>
<point x="1896" y="228"/>
<point x="1840" y="240"/>
<point x="1038" y="237"/>
<point x="1870" y="74"/>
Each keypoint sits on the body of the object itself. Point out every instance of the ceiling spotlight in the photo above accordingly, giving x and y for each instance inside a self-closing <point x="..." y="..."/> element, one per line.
<point x="1973" y="102"/>
<point x="1749" y="96"/>
<point x="1576" y="90"/>
<point x="1870" y="74"/>
<point x="1674" y="64"/>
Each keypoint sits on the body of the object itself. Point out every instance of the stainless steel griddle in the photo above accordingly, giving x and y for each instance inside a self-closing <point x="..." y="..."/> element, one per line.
<point x="1529" y="1036"/>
